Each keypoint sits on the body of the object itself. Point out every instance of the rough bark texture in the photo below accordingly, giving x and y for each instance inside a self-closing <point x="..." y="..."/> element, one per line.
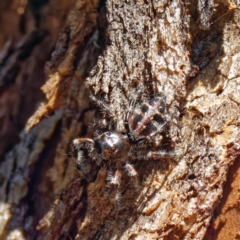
<point x="187" y="51"/>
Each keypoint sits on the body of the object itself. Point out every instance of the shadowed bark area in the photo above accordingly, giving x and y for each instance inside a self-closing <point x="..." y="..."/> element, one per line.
<point x="55" y="55"/>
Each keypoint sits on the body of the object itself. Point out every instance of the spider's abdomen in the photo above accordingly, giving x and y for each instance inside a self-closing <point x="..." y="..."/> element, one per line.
<point x="148" y="118"/>
<point x="112" y="145"/>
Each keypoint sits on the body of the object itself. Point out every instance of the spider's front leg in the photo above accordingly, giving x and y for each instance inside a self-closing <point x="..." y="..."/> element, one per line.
<point x="78" y="143"/>
<point x="84" y="142"/>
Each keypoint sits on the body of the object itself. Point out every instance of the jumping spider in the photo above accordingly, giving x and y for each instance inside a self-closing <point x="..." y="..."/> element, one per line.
<point x="145" y="124"/>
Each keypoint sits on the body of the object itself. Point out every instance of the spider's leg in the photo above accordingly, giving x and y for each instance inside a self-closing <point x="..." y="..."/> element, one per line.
<point x="87" y="142"/>
<point x="162" y="154"/>
<point x="102" y="106"/>
<point x="133" y="174"/>
<point x="82" y="162"/>
<point x="132" y="104"/>
<point x="130" y="170"/>
<point x="118" y="199"/>
<point x="78" y="142"/>
<point x="114" y="179"/>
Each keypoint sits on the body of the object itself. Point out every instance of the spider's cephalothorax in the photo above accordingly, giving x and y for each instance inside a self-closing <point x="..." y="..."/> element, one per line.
<point x="144" y="126"/>
<point x="112" y="145"/>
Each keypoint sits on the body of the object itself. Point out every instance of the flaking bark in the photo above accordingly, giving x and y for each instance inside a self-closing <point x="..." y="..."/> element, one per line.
<point x="112" y="49"/>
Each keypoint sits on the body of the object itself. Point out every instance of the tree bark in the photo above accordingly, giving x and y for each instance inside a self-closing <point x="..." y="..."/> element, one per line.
<point x="187" y="52"/>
